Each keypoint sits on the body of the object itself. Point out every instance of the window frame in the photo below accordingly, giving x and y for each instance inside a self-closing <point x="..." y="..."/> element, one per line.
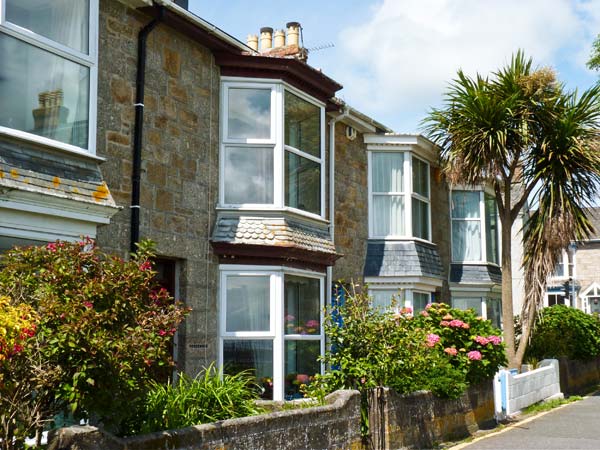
<point x="402" y="293"/>
<point x="408" y="194"/>
<point x="89" y="60"/>
<point x="483" y="227"/>
<point x="276" y="141"/>
<point x="277" y="333"/>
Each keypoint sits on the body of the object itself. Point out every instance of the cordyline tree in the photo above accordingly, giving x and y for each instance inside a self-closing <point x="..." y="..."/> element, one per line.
<point x="522" y="133"/>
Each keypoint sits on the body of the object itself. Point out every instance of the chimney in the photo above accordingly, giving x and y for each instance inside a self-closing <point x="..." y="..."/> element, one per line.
<point x="279" y="39"/>
<point x="266" y="34"/>
<point x="252" y="42"/>
<point x="293" y="33"/>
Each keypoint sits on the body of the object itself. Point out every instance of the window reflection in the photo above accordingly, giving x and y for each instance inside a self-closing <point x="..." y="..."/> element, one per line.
<point x="249" y="114"/>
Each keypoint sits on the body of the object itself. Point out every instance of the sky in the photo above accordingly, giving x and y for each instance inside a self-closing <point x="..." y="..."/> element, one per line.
<point x="395" y="58"/>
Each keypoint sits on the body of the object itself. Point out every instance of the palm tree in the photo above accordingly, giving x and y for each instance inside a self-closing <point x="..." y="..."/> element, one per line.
<point x="522" y="133"/>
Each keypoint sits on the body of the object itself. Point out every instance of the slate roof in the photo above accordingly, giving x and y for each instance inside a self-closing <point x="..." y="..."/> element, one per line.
<point x="408" y="258"/>
<point x="273" y="231"/>
<point x="58" y="175"/>
<point x="475" y="273"/>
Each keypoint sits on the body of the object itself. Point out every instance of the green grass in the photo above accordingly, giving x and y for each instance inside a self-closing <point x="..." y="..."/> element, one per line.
<point x="547" y="406"/>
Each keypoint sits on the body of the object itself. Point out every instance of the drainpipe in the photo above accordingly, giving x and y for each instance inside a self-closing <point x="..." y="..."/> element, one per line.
<point x="332" y="123"/>
<point x="138" y="130"/>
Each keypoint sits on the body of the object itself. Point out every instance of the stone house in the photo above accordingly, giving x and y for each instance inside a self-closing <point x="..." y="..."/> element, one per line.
<point x="129" y="119"/>
<point x="576" y="280"/>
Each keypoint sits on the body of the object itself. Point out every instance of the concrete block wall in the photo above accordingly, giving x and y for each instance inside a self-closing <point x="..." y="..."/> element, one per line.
<point x="519" y="391"/>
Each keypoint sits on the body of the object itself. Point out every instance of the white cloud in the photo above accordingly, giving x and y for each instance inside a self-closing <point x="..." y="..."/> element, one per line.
<point x="397" y="63"/>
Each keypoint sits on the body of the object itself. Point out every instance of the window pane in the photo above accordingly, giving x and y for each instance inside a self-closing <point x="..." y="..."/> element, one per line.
<point x="420" y="301"/>
<point x="387" y="174"/>
<point x="494" y="311"/>
<point x="302" y="305"/>
<point x="249" y="114"/>
<point x="248" y="175"/>
<point x="420" y="176"/>
<point x="420" y="219"/>
<point x="466" y="240"/>
<point x="388" y="215"/>
<point x="468" y="303"/>
<point x="302" y="183"/>
<point x="491" y="229"/>
<point x="63" y="21"/>
<point x="253" y="355"/>
<point x="42" y="93"/>
<point x="465" y="204"/>
<point x="248" y="303"/>
<point x="302" y="125"/>
<point x="301" y="365"/>
<point x="385" y="298"/>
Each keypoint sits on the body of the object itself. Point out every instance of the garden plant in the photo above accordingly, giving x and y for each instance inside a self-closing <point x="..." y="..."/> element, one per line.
<point x="83" y="332"/>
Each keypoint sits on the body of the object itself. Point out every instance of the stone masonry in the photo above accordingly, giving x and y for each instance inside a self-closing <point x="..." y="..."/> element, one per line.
<point x="180" y="162"/>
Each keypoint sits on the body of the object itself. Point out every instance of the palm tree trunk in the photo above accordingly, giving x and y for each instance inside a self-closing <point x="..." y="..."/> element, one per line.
<point x="508" y="323"/>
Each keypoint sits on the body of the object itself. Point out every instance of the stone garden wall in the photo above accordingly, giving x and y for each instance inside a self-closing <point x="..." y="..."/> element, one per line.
<point x="578" y="377"/>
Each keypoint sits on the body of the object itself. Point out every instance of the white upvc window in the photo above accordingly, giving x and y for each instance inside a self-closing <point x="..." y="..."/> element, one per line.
<point x="475" y="227"/>
<point x="48" y="72"/>
<point x="489" y="308"/>
<point x="271" y="324"/>
<point x="565" y="268"/>
<point x="385" y="297"/>
<point x="272" y="147"/>
<point x="399" y="196"/>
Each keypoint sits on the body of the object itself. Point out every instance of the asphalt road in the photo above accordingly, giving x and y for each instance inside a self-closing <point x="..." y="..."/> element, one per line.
<point x="574" y="426"/>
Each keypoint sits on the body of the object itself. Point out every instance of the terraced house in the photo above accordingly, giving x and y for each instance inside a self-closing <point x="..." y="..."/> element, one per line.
<point x="130" y="119"/>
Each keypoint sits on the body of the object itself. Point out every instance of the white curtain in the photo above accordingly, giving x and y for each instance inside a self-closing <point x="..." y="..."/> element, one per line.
<point x="248" y="303"/>
<point x="388" y="172"/>
<point x="468" y="303"/>
<point x="466" y="240"/>
<point x="388" y="215"/>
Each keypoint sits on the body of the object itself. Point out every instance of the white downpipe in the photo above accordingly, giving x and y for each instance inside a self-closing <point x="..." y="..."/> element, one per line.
<point x="332" y="123"/>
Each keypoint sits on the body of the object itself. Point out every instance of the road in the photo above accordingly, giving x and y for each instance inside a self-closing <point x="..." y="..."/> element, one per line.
<point x="574" y="426"/>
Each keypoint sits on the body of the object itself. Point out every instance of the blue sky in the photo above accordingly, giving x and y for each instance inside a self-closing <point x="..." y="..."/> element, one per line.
<point x="395" y="57"/>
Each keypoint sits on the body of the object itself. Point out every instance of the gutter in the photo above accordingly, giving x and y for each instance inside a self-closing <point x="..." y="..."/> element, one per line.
<point x="138" y="130"/>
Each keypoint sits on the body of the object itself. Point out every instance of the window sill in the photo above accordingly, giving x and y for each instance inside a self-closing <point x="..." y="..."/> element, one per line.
<point x="266" y="210"/>
<point x="477" y="263"/>
<point x="49" y="143"/>
<point x="401" y="239"/>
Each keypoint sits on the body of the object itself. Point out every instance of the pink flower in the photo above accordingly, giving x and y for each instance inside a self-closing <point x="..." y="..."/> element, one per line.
<point x="456" y="323"/>
<point x="444" y="323"/>
<point x="146" y="265"/>
<point x="88" y="304"/>
<point x="289" y="318"/>
<point x="474" y="355"/>
<point x="496" y="340"/>
<point x="447" y="317"/>
<point x="302" y="378"/>
<point x="432" y="339"/>
<point x="424" y="313"/>
<point x="51" y="247"/>
<point x="428" y="305"/>
<point x="162" y="332"/>
<point x="482" y="340"/>
<point x="451" y="351"/>
<point x="406" y="310"/>
<point x="363" y="380"/>
<point x="312" y="324"/>
<point x="466" y="326"/>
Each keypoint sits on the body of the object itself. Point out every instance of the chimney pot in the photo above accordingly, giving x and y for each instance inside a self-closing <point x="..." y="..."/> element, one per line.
<point x="266" y="36"/>
<point x="293" y="33"/>
<point x="279" y="39"/>
<point x="252" y="42"/>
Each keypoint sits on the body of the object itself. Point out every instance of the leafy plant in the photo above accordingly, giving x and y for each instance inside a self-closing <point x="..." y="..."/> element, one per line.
<point x="563" y="331"/>
<point x="206" y="398"/>
<point x="102" y="333"/>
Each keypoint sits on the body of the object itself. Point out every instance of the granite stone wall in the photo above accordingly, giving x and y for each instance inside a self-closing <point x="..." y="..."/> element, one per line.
<point x="579" y="377"/>
<point x="440" y="227"/>
<point x="351" y="205"/>
<point x="180" y="159"/>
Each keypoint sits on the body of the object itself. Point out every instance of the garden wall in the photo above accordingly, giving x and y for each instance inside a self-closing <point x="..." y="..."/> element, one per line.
<point x="335" y="425"/>
<point x="578" y="377"/>
<point x="420" y="420"/>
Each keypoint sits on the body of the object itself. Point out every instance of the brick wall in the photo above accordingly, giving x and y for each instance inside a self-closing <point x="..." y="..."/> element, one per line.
<point x="179" y="152"/>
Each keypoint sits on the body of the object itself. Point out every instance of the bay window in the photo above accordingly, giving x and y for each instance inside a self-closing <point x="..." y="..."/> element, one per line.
<point x="48" y="72"/>
<point x="272" y="147"/>
<point x="474" y="227"/>
<point x="270" y="322"/>
<point x="385" y="298"/>
<point x="399" y="196"/>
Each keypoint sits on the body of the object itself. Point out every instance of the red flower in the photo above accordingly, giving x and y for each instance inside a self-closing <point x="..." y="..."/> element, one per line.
<point x="88" y="305"/>
<point x="51" y="247"/>
<point x="146" y="265"/>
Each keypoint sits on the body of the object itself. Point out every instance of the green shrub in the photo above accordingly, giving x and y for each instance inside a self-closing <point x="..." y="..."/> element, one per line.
<point x="561" y="331"/>
<point x="102" y="333"/>
<point x="204" y="399"/>
<point x="473" y="346"/>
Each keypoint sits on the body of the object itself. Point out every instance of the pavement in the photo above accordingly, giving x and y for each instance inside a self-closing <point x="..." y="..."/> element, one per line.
<point x="575" y="426"/>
